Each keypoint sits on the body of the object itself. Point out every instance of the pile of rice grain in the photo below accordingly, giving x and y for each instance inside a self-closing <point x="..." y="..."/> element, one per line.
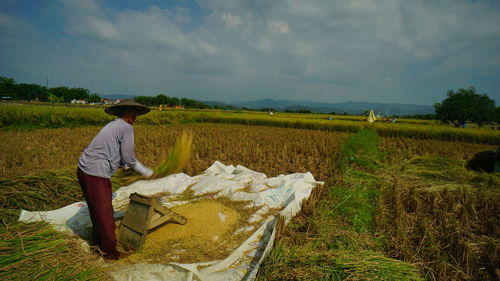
<point x="208" y="235"/>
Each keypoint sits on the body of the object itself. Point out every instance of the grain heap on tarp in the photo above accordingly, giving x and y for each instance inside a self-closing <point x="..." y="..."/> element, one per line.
<point x="246" y="205"/>
<point x="208" y="235"/>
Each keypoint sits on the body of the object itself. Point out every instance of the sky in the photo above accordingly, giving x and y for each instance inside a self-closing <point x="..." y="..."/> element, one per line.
<point x="239" y="50"/>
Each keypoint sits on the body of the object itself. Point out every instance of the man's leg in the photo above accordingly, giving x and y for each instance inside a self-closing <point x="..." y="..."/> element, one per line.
<point x="97" y="192"/>
<point x="81" y="179"/>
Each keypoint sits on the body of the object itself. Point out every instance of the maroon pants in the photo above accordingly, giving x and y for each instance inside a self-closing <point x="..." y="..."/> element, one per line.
<point x="97" y="192"/>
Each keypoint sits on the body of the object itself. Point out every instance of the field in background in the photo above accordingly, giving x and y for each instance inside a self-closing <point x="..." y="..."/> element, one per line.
<point x="28" y="116"/>
<point x="386" y="198"/>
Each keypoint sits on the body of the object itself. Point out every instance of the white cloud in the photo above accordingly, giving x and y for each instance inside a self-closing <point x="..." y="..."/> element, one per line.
<point x="278" y="27"/>
<point x="231" y="21"/>
<point x="207" y="48"/>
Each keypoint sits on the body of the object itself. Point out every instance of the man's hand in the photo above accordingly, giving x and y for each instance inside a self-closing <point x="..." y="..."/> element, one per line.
<point x="148" y="174"/>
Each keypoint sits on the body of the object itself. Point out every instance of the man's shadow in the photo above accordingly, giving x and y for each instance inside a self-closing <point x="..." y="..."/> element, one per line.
<point x="81" y="225"/>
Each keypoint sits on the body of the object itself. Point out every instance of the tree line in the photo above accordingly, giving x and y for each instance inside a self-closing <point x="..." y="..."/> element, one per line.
<point x="9" y="89"/>
<point x="34" y="92"/>
<point x="162" y="99"/>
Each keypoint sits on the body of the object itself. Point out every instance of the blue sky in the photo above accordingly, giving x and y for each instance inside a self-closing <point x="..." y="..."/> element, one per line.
<point x="318" y="50"/>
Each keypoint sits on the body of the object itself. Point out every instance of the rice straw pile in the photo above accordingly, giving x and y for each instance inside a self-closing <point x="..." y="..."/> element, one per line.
<point x="35" y="251"/>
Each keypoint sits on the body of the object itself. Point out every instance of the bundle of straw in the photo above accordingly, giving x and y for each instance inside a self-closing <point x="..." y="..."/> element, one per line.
<point x="175" y="162"/>
<point x="35" y="251"/>
<point x="43" y="191"/>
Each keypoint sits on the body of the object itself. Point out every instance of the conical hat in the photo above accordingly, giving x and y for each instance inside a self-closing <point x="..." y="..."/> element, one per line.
<point x="127" y="105"/>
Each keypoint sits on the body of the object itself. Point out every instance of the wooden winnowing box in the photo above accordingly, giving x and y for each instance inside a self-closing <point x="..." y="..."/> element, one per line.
<point x="143" y="214"/>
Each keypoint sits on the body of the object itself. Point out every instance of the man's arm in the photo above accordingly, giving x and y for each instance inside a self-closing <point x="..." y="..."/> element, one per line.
<point x="128" y="154"/>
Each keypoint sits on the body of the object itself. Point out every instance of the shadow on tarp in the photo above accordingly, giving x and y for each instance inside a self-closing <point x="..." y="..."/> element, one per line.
<point x="81" y="224"/>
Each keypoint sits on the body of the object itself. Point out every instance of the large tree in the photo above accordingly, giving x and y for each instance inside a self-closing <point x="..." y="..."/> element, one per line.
<point x="31" y="92"/>
<point x="68" y="94"/>
<point x="495" y="115"/>
<point x="465" y="105"/>
<point x="7" y="87"/>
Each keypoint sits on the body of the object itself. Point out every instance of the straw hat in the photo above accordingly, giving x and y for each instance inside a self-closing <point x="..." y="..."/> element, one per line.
<point x="127" y="105"/>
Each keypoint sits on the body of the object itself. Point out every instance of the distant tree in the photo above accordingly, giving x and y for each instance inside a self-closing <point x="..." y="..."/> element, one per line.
<point x="267" y="109"/>
<point x="31" y="92"/>
<point x="161" y="99"/>
<point x="146" y="100"/>
<point x="190" y="103"/>
<point x="201" y="105"/>
<point x="420" y="116"/>
<point x="172" y="101"/>
<point x="7" y="87"/>
<point x="494" y="115"/>
<point x="53" y="98"/>
<point x="66" y="94"/>
<point x="465" y="105"/>
<point x="94" y="98"/>
<point x="175" y="101"/>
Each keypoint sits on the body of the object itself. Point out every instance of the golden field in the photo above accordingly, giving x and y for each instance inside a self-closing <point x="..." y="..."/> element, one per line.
<point x="407" y="204"/>
<point x="269" y="150"/>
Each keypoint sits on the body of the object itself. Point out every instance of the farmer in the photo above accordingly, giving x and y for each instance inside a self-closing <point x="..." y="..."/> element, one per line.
<point x="111" y="147"/>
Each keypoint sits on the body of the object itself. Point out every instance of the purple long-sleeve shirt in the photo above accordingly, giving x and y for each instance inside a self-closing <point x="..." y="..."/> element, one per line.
<point x="111" y="147"/>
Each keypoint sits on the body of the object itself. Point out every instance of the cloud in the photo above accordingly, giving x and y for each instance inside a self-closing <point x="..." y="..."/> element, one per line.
<point x="8" y="24"/>
<point x="342" y="50"/>
<point x="231" y="21"/>
<point x="278" y="27"/>
<point x="86" y="18"/>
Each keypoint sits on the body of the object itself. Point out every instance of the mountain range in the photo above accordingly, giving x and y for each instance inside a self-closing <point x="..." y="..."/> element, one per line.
<point x="351" y="107"/>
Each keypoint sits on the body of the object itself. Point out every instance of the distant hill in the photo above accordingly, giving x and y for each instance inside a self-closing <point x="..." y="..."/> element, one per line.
<point x="350" y="107"/>
<point x="118" y="96"/>
<point x="265" y="103"/>
<point x="216" y="103"/>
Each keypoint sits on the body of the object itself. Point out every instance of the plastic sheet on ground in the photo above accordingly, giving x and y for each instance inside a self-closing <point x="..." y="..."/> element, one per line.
<point x="285" y="192"/>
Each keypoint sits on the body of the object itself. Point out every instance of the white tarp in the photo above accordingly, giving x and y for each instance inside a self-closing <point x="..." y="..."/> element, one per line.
<point x="285" y="192"/>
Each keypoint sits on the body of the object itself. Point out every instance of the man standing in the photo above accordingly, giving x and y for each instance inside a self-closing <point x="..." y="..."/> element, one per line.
<point x="111" y="147"/>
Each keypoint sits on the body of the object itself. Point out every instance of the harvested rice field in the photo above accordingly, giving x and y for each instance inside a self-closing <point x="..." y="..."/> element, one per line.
<point x="369" y="222"/>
